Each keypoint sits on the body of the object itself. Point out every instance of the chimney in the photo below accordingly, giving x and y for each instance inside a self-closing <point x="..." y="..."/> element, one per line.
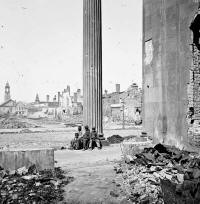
<point x="37" y="100"/>
<point x="68" y="89"/>
<point x="118" y="88"/>
<point x="59" y="97"/>
<point x="54" y="99"/>
<point x="47" y="98"/>
<point x="75" y="97"/>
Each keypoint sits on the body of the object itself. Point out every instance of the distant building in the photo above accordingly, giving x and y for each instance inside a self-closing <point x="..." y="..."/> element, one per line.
<point x="63" y="105"/>
<point x="122" y="102"/>
<point x="46" y="103"/>
<point x="77" y="103"/>
<point x="8" y="107"/>
<point x="116" y="111"/>
<point x="79" y="96"/>
<point x="41" y="109"/>
<point x="66" y="102"/>
<point x="77" y="108"/>
<point x="110" y="100"/>
<point x="21" y="109"/>
<point x="71" y="105"/>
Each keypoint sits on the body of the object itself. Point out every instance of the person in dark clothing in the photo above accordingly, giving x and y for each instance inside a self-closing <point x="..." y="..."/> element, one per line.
<point x="80" y="135"/>
<point x="86" y="138"/>
<point x="80" y="131"/>
<point x="94" y="139"/>
<point x="76" y="143"/>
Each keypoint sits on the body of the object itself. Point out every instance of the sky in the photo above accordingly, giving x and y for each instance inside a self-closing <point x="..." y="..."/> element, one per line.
<point x="41" y="46"/>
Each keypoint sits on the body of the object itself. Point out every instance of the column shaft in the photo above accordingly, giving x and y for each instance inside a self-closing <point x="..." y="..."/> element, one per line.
<point x="92" y="64"/>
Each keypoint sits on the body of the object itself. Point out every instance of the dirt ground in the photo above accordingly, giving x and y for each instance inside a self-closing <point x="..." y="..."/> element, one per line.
<point x="95" y="178"/>
<point x="51" y="139"/>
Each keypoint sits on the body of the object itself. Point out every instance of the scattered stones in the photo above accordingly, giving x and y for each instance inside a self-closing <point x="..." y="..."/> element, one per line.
<point x="114" y="139"/>
<point x="13" y="122"/>
<point x="162" y="174"/>
<point x="30" y="186"/>
<point x="114" y="194"/>
<point x="118" y="169"/>
<point x="118" y="185"/>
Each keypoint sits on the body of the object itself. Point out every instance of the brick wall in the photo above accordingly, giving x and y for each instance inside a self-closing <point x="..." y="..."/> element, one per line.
<point x="193" y="114"/>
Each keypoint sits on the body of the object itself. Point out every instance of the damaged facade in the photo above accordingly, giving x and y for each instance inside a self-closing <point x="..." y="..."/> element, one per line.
<point x="62" y="106"/>
<point x="128" y="101"/>
<point x="171" y="71"/>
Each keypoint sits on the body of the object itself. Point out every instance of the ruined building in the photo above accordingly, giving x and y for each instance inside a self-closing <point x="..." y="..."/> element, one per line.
<point x="113" y="103"/>
<point x="171" y="71"/>
<point x="71" y="105"/>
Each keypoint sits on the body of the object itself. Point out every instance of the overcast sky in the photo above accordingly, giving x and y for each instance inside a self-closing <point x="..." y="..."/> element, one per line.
<point x="41" y="45"/>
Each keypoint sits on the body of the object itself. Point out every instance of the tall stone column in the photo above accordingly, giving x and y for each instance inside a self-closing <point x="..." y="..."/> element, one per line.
<point x="92" y="64"/>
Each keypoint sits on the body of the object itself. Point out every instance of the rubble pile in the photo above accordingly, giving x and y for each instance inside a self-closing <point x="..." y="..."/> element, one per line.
<point x="114" y="139"/>
<point x="73" y="121"/>
<point x="162" y="174"/>
<point x="31" y="186"/>
<point x="14" y="123"/>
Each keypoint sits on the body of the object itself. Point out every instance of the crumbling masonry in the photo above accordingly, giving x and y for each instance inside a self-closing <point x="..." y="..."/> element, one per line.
<point x="193" y="114"/>
<point x="171" y="71"/>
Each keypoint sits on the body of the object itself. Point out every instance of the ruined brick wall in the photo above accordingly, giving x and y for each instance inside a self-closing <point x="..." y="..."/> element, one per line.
<point x="167" y="79"/>
<point x="193" y="114"/>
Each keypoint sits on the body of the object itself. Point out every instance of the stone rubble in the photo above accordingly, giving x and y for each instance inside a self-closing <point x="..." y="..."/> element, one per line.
<point x="14" y="122"/>
<point x="162" y="174"/>
<point x="31" y="186"/>
<point x="114" y="139"/>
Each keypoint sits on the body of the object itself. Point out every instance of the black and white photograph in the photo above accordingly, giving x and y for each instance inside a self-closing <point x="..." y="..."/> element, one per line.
<point x="99" y="101"/>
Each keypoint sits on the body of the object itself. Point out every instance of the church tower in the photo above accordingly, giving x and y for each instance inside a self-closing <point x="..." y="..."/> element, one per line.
<point x="37" y="100"/>
<point x="7" y="92"/>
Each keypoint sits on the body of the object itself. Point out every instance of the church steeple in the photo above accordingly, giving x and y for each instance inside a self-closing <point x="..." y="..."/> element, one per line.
<point x="7" y="92"/>
<point x="37" y="100"/>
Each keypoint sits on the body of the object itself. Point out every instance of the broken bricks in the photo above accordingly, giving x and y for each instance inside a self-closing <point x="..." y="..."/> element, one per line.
<point x="30" y="186"/>
<point x="163" y="174"/>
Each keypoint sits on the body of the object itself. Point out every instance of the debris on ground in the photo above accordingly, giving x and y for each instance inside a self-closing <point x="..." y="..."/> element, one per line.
<point x="114" y="194"/>
<point x="63" y="148"/>
<point x="26" y="131"/>
<point x="73" y="121"/>
<point x="14" y="122"/>
<point x="162" y="174"/>
<point x="30" y="186"/>
<point x="114" y="139"/>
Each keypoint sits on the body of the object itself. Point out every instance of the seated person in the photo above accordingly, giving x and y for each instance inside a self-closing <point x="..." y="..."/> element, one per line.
<point x="80" y="135"/>
<point x="86" y="138"/>
<point x="94" y="139"/>
<point x="76" y="142"/>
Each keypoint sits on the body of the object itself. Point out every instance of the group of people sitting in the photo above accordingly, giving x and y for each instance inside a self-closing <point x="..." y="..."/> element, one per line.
<point x="88" y="140"/>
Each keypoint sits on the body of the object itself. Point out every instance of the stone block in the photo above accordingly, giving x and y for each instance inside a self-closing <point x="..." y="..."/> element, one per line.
<point x="16" y="158"/>
<point x="135" y="147"/>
